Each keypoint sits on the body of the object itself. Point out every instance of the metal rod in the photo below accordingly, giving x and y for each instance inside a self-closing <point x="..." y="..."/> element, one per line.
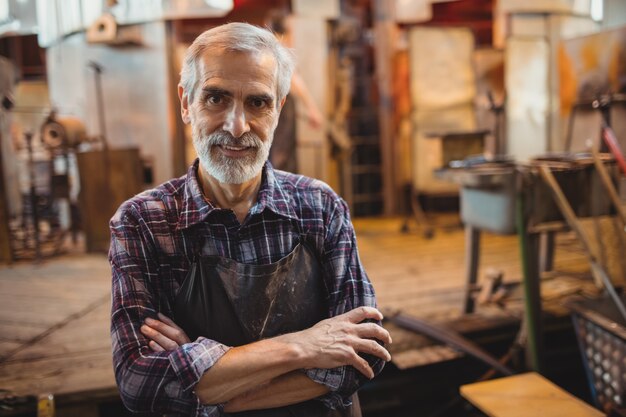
<point x="529" y="242"/>
<point x="610" y="187"/>
<point x="449" y="337"/>
<point x="611" y="141"/>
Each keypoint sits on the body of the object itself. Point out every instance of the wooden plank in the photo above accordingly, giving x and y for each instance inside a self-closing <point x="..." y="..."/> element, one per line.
<point x="89" y="333"/>
<point x="7" y="346"/>
<point x="525" y="395"/>
<point x="67" y="324"/>
<point x="81" y="373"/>
<point x="19" y="332"/>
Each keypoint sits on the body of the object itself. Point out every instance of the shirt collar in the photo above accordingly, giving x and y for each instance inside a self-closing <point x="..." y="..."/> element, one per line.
<point x="273" y="196"/>
<point x="196" y="208"/>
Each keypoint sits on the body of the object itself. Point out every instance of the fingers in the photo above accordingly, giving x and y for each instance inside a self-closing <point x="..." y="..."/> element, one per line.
<point x="169" y="321"/>
<point x="158" y="338"/>
<point x="362" y="366"/>
<point x="171" y="331"/>
<point x="373" y="330"/>
<point x="155" y="346"/>
<point x="363" y="313"/>
<point x="372" y="347"/>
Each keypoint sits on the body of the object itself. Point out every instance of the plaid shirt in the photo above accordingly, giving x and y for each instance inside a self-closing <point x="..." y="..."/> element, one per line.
<point x="154" y="236"/>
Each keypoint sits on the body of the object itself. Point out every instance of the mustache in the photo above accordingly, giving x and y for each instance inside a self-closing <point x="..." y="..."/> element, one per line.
<point x="248" y="139"/>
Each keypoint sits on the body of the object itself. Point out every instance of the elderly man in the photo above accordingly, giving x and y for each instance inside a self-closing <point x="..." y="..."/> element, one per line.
<point x="237" y="287"/>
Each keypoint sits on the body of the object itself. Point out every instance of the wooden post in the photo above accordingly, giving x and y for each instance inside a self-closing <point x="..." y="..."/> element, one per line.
<point x="5" y="236"/>
<point x="385" y="36"/>
<point x="472" y="258"/>
<point x="176" y="126"/>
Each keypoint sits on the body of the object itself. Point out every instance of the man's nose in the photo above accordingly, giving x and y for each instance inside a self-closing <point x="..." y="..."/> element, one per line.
<point x="236" y="122"/>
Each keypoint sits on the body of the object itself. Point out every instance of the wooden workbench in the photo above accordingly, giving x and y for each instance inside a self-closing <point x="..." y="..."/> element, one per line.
<point x="526" y="395"/>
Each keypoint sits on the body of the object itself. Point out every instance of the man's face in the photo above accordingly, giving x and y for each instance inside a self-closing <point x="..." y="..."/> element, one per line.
<point x="233" y="114"/>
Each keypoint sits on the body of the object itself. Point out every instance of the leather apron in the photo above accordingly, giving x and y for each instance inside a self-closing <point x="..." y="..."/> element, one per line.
<point x="237" y="304"/>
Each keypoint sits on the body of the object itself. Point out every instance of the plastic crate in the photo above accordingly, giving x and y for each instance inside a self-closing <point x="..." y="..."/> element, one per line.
<point x="601" y="333"/>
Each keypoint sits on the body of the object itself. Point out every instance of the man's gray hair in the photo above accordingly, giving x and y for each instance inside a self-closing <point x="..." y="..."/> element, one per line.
<point x="238" y="37"/>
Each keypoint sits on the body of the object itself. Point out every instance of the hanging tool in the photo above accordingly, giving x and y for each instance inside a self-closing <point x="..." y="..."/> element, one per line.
<point x="574" y="223"/>
<point x="100" y="102"/>
<point x="447" y="336"/>
<point x="102" y="122"/>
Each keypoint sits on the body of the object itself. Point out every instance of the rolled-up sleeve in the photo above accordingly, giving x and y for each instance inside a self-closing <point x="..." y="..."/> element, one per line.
<point x="148" y="381"/>
<point x="349" y="288"/>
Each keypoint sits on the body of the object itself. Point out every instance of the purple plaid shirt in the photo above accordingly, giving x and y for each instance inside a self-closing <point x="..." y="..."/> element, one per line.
<point x="154" y="237"/>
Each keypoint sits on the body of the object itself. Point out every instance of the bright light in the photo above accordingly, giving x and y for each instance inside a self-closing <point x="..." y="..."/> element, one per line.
<point x="220" y="4"/>
<point x="4" y="10"/>
<point x="597" y="10"/>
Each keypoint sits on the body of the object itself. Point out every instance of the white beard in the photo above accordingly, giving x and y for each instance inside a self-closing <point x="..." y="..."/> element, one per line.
<point x="231" y="170"/>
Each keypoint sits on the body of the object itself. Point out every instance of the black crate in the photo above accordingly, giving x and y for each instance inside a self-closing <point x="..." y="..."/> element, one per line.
<point x="601" y="333"/>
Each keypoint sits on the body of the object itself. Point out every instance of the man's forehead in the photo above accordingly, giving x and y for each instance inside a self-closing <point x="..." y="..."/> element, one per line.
<point x="251" y="68"/>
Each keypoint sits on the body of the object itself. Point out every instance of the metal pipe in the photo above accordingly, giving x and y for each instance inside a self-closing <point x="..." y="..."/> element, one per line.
<point x="449" y="337"/>
<point x="529" y="242"/>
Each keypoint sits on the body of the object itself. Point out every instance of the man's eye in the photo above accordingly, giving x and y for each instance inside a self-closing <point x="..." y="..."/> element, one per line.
<point x="258" y="103"/>
<point x="215" y="99"/>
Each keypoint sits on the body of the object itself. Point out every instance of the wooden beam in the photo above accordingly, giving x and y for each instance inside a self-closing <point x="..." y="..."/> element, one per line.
<point x="385" y="30"/>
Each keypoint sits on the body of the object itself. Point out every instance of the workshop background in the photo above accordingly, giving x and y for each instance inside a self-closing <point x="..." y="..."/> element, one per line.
<point x="478" y="143"/>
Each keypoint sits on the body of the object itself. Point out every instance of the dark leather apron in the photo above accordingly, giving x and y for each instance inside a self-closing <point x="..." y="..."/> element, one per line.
<point x="237" y="304"/>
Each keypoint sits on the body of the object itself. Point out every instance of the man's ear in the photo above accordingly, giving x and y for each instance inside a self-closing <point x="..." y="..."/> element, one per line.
<point x="184" y="104"/>
<point x="282" y="103"/>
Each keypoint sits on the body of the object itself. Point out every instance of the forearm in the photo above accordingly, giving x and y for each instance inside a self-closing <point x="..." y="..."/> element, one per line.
<point x="292" y="388"/>
<point x="247" y="367"/>
<point x="331" y="343"/>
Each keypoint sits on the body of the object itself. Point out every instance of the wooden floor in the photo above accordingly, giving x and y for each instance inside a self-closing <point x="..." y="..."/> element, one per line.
<point x="54" y="317"/>
<point x="426" y="277"/>
<point x="54" y="335"/>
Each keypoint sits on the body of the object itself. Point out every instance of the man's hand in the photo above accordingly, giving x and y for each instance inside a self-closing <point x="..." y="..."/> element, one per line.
<point x="337" y="341"/>
<point x="164" y="334"/>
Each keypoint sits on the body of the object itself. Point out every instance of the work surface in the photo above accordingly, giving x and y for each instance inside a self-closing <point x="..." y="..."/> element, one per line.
<point x="525" y="395"/>
<point x="54" y="317"/>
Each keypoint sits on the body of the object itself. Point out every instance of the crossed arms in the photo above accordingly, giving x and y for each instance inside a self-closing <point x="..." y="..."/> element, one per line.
<point x="266" y="374"/>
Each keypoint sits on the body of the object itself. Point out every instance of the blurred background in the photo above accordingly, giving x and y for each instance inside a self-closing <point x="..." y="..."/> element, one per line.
<point x="436" y="121"/>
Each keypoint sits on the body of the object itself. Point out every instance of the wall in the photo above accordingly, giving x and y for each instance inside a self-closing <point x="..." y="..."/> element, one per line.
<point x="443" y="88"/>
<point x="135" y="89"/>
<point x="535" y="29"/>
<point x="614" y="14"/>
